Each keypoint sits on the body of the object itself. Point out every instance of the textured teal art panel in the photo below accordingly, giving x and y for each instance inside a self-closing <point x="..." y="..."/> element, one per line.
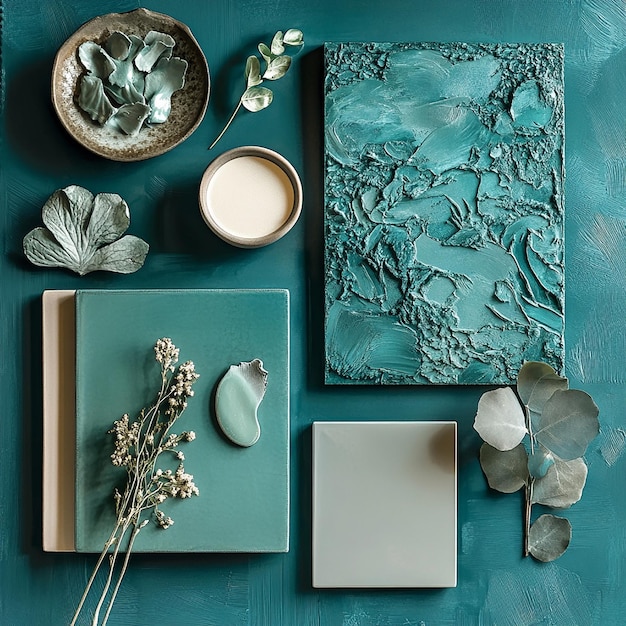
<point x="443" y="211"/>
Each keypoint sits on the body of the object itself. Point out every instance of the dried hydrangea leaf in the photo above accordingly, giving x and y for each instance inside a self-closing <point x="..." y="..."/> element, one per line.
<point x="157" y="45"/>
<point x="93" y="101"/>
<point x="166" y="78"/>
<point x="84" y="233"/>
<point x="130" y="117"/>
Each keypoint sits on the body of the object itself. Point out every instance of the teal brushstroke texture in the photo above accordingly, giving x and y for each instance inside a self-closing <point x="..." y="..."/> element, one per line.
<point x="587" y="586"/>
<point x="443" y="211"/>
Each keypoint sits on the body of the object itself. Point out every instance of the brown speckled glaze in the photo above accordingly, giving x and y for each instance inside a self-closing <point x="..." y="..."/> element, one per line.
<point x="188" y="105"/>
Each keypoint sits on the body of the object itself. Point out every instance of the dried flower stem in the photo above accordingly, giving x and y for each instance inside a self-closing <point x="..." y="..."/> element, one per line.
<point x="138" y="446"/>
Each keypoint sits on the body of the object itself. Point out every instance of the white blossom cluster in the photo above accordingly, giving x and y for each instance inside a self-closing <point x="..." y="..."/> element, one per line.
<point x="166" y="353"/>
<point x="139" y="444"/>
<point x="126" y="438"/>
<point x="181" y="386"/>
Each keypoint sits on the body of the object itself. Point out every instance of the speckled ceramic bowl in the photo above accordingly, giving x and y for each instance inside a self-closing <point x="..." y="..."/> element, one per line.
<point x="188" y="104"/>
<point x="250" y="196"/>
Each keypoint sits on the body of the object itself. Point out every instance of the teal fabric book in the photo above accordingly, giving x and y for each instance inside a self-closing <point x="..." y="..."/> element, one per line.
<point x="243" y="502"/>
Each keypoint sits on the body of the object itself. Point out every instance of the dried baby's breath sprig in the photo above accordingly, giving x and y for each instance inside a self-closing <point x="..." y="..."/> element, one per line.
<point x="139" y="446"/>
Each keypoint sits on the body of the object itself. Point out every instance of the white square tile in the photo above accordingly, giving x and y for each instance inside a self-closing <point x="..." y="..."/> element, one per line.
<point x="384" y="504"/>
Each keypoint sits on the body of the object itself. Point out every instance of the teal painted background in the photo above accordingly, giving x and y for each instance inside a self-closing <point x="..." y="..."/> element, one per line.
<point x="496" y="586"/>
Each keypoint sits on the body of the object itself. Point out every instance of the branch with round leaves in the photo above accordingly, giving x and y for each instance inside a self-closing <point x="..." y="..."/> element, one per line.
<point x="277" y="63"/>
<point x="536" y="440"/>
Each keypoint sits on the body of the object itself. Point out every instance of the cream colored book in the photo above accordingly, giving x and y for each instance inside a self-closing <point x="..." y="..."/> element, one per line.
<point x="59" y="424"/>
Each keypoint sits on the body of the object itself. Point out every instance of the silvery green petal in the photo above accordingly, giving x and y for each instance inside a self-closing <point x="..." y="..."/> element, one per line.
<point x="128" y="94"/>
<point x="109" y="220"/>
<point x="65" y="214"/>
<point x="42" y="249"/>
<point x="125" y="74"/>
<point x="130" y="117"/>
<point x="118" y="45"/>
<point x="95" y="60"/>
<point x="157" y="45"/>
<point x="124" y="256"/>
<point x="92" y="99"/>
<point x="166" y="78"/>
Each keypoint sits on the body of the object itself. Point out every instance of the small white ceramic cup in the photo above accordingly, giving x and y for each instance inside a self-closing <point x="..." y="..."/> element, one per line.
<point x="250" y="196"/>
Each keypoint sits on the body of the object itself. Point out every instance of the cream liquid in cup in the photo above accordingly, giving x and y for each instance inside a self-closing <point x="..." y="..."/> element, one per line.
<point x="250" y="197"/>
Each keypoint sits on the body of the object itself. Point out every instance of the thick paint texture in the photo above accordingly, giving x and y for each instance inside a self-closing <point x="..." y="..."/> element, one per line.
<point x="587" y="586"/>
<point x="443" y="211"/>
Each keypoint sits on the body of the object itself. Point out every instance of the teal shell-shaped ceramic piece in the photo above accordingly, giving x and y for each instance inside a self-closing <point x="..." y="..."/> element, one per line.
<point x="84" y="233"/>
<point x="237" y="399"/>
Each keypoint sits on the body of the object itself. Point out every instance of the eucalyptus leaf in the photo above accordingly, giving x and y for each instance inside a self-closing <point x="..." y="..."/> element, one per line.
<point x="293" y="37"/>
<point x="536" y="382"/>
<point x="562" y="484"/>
<point x="539" y="462"/>
<point x="500" y="420"/>
<point x="567" y="424"/>
<point x="266" y="53"/>
<point x="253" y="71"/>
<point x="549" y="537"/>
<point x="82" y="233"/>
<point x="277" y="47"/>
<point x="506" y="471"/>
<point x="277" y="68"/>
<point x="257" y="98"/>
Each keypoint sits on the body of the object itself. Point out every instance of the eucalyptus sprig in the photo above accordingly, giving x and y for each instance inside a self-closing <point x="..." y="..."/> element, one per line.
<point x="536" y="439"/>
<point x="255" y="97"/>
<point x="141" y="446"/>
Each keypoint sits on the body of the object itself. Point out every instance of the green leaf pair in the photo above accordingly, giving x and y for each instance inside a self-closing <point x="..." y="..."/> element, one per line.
<point x="536" y="439"/>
